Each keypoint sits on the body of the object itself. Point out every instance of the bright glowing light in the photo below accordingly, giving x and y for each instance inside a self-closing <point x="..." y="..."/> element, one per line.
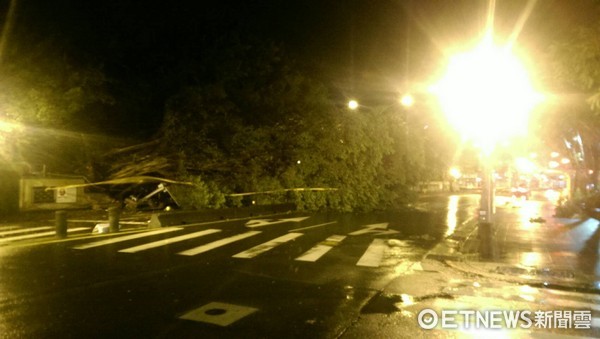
<point x="532" y="259"/>
<point x="552" y="195"/>
<point x="525" y="165"/>
<point x="529" y="210"/>
<point x="353" y="104"/>
<point x="407" y="100"/>
<point x="455" y="173"/>
<point x="487" y="94"/>
<point x="407" y="300"/>
<point x="451" y="219"/>
<point x="565" y="161"/>
<point x="553" y="164"/>
<point x="9" y="127"/>
<point x="528" y="289"/>
<point x="554" y="154"/>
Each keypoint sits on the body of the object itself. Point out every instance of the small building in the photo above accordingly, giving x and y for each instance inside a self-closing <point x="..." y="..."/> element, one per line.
<point x="36" y="193"/>
<point x="9" y="191"/>
<point x="433" y="186"/>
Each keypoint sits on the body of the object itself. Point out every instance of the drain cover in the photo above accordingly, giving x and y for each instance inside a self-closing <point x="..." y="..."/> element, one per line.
<point x="217" y="313"/>
<point x="543" y="272"/>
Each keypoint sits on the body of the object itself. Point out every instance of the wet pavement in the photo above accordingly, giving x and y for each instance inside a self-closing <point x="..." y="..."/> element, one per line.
<point x="325" y="276"/>
<point x="543" y="265"/>
<point x="531" y="245"/>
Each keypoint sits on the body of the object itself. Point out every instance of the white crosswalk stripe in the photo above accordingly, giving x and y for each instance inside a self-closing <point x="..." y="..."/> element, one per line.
<point x="320" y="249"/>
<point x="125" y="238"/>
<point x="25" y="230"/>
<point x="256" y="250"/>
<point x="168" y="241"/>
<point x="218" y="243"/>
<point x="9" y="227"/>
<point x="40" y="235"/>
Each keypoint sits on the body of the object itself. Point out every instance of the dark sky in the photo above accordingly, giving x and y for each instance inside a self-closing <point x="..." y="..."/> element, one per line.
<point x="371" y="35"/>
<point x="357" y="46"/>
<point x="349" y="38"/>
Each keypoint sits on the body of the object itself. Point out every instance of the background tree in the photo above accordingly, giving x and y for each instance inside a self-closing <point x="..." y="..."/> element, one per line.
<point x="56" y="98"/>
<point x="250" y="121"/>
<point x="573" y="65"/>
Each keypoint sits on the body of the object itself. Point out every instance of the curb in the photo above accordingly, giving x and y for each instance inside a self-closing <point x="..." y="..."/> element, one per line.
<point x="451" y="248"/>
<point x="523" y="279"/>
<point x="525" y="276"/>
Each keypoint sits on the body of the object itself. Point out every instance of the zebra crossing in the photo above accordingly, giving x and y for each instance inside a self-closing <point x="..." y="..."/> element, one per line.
<point x="320" y="249"/>
<point x="315" y="249"/>
<point x="10" y="234"/>
<point x="168" y="241"/>
<point x="125" y="238"/>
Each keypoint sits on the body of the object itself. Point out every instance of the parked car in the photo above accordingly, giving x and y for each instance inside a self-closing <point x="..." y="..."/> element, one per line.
<point x="521" y="192"/>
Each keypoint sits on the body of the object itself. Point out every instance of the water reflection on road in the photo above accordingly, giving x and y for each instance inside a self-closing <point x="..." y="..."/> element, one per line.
<point x="451" y="218"/>
<point x="450" y="211"/>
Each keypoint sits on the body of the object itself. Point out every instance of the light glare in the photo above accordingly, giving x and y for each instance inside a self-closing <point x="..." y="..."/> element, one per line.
<point x="407" y="100"/>
<point x="353" y="104"/>
<point x="487" y="94"/>
<point x="455" y="173"/>
<point x="525" y="165"/>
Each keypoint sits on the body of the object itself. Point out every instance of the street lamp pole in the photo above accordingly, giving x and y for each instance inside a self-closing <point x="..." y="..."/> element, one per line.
<point x="487" y="248"/>
<point x="486" y="93"/>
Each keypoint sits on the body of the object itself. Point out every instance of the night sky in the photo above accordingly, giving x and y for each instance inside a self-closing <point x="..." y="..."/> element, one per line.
<point x="358" y="47"/>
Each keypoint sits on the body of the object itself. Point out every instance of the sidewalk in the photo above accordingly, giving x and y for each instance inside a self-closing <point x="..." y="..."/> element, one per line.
<point x="531" y="247"/>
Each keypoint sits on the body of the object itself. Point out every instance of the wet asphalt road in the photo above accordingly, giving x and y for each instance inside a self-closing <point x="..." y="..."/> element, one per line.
<point x="293" y="276"/>
<point x="68" y="289"/>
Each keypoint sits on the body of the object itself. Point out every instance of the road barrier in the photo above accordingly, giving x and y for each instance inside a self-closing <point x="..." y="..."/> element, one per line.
<point x="114" y="213"/>
<point x="60" y="219"/>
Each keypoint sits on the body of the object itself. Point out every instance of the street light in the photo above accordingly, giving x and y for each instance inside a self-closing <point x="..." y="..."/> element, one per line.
<point x="353" y="104"/>
<point x="8" y="140"/>
<point x="487" y="95"/>
<point x="407" y="100"/>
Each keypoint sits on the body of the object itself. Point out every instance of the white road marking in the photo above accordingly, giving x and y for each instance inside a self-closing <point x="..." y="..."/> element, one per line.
<point x="417" y="267"/>
<point x="268" y="222"/>
<point x="218" y="243"/>
<point x="125" y="238"/>
<point x="41" y="235"/>
<point x="379" y="229"/>
<point x="269" y="245"/>
<point x="321" y="248"/>
<point x="143" y="223"/>
<point x="25" y="230"/>
<point x="168" y="241"/>
<point x="314" y="226"/>
<point x="373" y="255"/>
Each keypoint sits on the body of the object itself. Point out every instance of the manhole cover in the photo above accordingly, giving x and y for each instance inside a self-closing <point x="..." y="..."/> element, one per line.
<point x="217" y="313"/>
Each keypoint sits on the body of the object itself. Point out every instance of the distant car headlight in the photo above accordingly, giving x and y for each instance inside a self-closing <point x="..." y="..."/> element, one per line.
<point x="552" y="195"/>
